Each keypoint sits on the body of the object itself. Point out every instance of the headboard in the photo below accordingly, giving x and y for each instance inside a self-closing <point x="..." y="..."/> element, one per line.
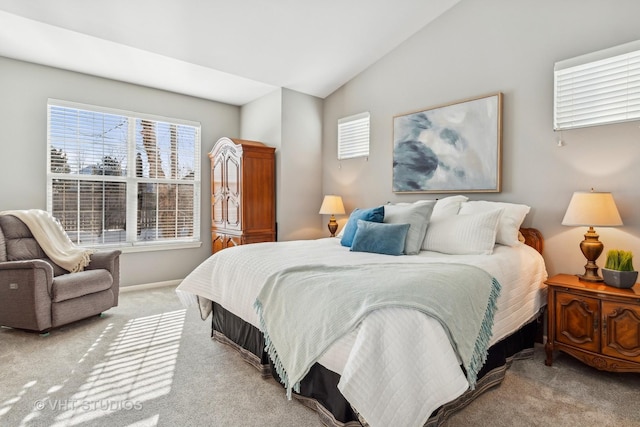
<point x="533" y="237"/>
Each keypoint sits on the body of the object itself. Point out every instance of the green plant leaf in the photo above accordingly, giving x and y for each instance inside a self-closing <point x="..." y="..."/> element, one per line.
<point x="619" y="260"/>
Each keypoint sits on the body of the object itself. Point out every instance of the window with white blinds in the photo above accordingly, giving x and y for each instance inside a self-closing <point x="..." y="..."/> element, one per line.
<point x="120" y="178"/>
<point x="353" y="136"/>
<point x="598" y="88"/>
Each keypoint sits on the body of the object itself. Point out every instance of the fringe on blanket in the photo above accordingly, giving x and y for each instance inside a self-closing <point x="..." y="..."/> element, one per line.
<point x="273" y="354"/>
<point x="485" y="334"/>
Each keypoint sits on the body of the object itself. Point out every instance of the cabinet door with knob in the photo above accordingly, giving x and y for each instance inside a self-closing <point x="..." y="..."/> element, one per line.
<point x="577" y="321"/>
<point x="621" y="330"/>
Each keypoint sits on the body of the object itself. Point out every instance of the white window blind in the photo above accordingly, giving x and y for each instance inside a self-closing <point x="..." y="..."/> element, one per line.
<point x="598" y="88"/>
<point x="121" y="178"/>
<point x="353" y="136"/>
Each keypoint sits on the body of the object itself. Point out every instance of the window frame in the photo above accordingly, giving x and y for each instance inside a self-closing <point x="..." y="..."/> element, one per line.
<point x="131" y="180"/>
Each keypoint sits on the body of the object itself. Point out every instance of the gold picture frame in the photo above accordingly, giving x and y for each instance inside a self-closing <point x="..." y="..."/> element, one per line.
<point x="452" y="148"/>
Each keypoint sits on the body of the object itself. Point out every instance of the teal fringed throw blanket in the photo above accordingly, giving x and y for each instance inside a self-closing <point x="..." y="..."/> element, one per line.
<point x="304" y="310"/>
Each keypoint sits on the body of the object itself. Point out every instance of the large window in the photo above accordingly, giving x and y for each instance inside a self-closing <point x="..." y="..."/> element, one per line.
<point x="121" y="178"/>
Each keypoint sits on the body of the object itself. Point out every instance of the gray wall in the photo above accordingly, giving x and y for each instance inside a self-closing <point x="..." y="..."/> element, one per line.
<point x="292" y="122"/>
<point x="482" y="47"/>
<point x="24" y="90"/>
<point x="301" y="167"/>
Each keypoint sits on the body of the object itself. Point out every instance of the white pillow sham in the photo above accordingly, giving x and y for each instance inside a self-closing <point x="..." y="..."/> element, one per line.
<point x="463" y="234"/>
<point x="448" y="206"/>
<point x="417" y="215"/>
<point x="510" y="221"/>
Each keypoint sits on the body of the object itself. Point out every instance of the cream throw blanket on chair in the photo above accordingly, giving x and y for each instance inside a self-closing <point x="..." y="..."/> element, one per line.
<point x="53" y="240"/>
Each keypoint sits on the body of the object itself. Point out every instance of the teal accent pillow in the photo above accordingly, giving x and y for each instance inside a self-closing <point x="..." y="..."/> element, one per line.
<point x="372" y="215"/>
<point x="380" y="238"/>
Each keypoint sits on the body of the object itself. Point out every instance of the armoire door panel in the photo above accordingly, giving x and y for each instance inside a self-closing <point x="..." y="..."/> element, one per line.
<point x="232" y="165"/>
<point x="217" y="191"/>
<point x="233" y="213"/>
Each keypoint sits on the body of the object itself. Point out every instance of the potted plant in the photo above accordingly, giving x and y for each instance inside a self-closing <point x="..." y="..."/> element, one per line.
<point x="618" y="270"/>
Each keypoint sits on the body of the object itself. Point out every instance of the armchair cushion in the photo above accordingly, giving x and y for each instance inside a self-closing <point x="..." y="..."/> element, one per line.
<point x="82" y="283"/>
<point x="20" y="243"/>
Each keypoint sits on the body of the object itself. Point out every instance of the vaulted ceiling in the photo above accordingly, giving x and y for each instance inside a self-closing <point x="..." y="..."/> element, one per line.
<point x="232" y="51"/>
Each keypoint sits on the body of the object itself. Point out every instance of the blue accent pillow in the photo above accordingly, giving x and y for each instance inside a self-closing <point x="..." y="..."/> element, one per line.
<point x="373" y="215"/>
<point x="380" y="238"/>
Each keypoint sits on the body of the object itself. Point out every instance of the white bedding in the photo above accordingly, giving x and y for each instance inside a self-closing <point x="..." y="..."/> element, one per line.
<point x="425" y="367"/>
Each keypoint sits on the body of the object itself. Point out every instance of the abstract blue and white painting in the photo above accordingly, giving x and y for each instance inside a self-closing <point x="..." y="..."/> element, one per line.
<point x="452" y="148"/>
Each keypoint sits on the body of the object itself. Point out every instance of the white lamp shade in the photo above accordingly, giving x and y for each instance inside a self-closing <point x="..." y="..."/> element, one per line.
<point x="332" y="205"/>
<point x="592" y="209"/>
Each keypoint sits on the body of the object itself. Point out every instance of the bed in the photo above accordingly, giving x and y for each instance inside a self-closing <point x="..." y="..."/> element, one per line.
<point x="381" y="372"/>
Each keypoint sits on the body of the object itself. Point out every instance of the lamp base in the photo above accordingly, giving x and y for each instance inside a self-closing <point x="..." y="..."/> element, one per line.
<point x="591" y="248"/>
<point x="333" y="226"/>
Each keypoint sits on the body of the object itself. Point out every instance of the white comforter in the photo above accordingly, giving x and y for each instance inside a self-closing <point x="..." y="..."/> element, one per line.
<point x="389" y="374"/>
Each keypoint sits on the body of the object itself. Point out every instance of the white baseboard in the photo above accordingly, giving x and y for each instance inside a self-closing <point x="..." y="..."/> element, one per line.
<point x="150" y="286"/>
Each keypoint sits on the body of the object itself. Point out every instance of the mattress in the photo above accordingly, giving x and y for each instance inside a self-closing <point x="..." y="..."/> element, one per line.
<point x="233" y="278"/>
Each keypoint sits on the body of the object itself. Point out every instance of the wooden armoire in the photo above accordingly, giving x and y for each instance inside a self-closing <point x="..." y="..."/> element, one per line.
<point x="243" y="198"/>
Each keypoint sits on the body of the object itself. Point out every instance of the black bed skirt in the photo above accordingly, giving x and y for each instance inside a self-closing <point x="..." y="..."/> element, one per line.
<point x="320" y="385"/>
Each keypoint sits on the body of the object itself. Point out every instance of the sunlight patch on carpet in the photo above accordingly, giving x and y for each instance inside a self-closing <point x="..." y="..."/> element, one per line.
<point x="7" y="404"/>
<point x="137" y="367"/>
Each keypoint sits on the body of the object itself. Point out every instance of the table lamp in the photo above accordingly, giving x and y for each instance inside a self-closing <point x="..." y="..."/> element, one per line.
<point x="591" y="209"/>
<point x="332" y="205"/>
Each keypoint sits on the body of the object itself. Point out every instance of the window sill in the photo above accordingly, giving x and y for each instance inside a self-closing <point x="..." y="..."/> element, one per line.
<point x="149" y="247"/>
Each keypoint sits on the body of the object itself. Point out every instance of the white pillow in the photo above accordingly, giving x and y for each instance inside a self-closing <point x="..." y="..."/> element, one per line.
<point x="510" y="221"/>
<point x="416" y="215"/>
<point x="463" y="234"/>
<point x="448" y="206"/>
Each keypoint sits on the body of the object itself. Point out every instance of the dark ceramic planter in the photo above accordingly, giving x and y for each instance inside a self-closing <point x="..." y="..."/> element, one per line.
<point x="619" y="279"/>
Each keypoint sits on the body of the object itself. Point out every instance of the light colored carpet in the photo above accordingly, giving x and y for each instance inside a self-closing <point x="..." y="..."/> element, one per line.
<point x="150" y="362"/>
<point x="569" y="393"/>
<point x="147" y="362"/>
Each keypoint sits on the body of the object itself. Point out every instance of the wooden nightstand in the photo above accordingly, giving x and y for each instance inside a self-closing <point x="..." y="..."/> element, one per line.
<point x="596" y="323"/>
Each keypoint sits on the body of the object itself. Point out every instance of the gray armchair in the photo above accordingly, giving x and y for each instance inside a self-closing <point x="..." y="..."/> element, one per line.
<point x="37" y="295"/>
